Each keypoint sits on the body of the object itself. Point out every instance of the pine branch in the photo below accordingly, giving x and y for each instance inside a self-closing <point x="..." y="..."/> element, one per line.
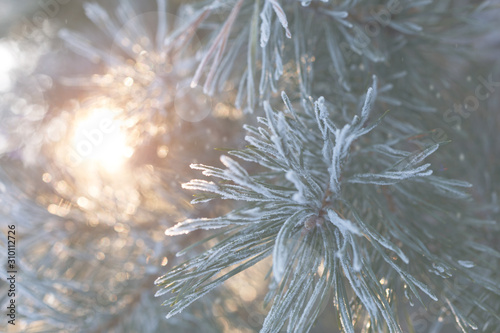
<point x="315" y="210"/>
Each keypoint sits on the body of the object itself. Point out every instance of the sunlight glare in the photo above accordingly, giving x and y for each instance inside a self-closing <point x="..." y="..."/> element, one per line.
<point x="99" y="139"/>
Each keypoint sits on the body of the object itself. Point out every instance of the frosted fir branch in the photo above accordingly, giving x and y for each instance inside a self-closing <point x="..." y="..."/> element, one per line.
<point x="231" y="41"/>
<point x="241" y="217"/>
<point x="83" y="46"/>
<point x="268" y="21"/>
<point x="217" y="48"/>
<point x="137" y="75"/>
<point x="265" y="28"/>
<point x="117" y="30"/>
<point x="295" y="213"/>
<point x="336" y="211"/>
<point x="344" y="36"/>
<point x="391" y="177"/>
<point x="344" y="137"/>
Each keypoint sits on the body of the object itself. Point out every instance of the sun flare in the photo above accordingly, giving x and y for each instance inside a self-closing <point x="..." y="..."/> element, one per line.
<point x="99" y="139"/>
